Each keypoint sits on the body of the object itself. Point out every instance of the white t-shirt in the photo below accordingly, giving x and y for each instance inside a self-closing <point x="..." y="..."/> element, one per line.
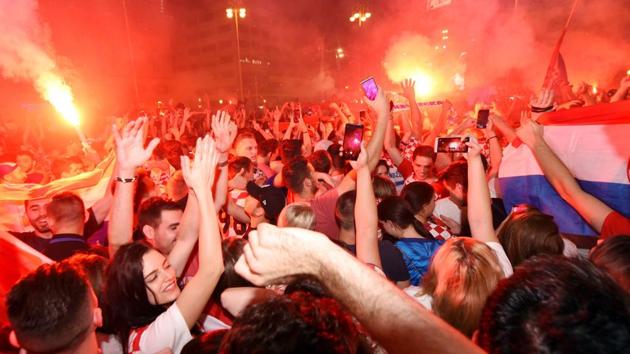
<point x="504" y="261"/>
<point x="445" y="206"/>
<point x="168" y="330"/>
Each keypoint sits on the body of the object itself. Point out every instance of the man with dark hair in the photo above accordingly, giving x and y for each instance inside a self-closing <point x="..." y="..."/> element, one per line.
<point x="299" y="322"/>
<point x="66" y="218"/>
<point x="158" y="223"/>
<point x="391" y="259"/>
<point x="54" y="310"/>
<point x="419" y="169"/>
<point x="553" y="304"/>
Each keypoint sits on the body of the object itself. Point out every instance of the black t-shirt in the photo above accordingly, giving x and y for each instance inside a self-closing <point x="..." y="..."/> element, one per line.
<point x="40" y="244"/>
<point x="63" y="246"/>
<point x="392" y="260"/>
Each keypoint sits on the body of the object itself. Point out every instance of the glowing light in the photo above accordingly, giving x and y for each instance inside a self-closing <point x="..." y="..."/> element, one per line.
<point x="242" y="12"/>
<point x="444" y="31"/>
<point x="368" y="15"/>
<point x="220" y="101"/>
<point x="628" y="72"/>
<point x="424" y="83"/>
<point x="594" y="88"/>
<point x="60" y="96"/>
<point x="458" y="80"/>
<point x="339" y="50"/>
<point x="229" y="13"/>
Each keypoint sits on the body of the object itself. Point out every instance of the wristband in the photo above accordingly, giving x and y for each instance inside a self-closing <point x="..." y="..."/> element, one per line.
<point x="222" y="164"/>
<point x="492" y="137"/>
<point x="126" y="180"/>
<point x="541" y="109"/>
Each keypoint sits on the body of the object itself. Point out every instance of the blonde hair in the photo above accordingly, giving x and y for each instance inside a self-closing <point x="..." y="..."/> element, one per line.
<point x="463" y="273"/>
<point x="299" y="214"/>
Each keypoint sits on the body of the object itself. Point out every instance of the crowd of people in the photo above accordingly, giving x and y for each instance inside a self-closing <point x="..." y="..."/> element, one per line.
<point x="239" y="232"/>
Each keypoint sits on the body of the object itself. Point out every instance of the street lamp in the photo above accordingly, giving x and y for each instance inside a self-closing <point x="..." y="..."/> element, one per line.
<point x="236" y="13"/>
<point x="340" y="54"/>
<point x="360" y="17"/>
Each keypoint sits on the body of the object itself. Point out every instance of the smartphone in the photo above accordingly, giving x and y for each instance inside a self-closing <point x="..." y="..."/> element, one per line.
<point x="352" y="141"/>
<point x="482" y="118"/>
<point x="369" y="88"/>
<point x="451" y="144"/>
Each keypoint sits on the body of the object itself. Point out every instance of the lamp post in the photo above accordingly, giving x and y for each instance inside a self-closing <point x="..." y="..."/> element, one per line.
<point x="236" y="13"/>
<point x="360" y="17"/>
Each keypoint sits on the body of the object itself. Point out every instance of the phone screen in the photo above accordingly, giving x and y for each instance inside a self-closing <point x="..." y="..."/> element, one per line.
<point x="451" y="144"/>
<point x="369" y="88"/>
<point x="352" y="141"/>
<point x="482" y="118"/>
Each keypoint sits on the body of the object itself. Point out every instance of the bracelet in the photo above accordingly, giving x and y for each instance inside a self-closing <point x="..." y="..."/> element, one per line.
<point x="223" y="164"/>
<point x="492" y="137"/>
<point x="541" y="109"/>
<point x="126" y="180"/>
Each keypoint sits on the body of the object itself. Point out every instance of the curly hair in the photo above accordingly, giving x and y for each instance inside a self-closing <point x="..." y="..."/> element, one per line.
<point x="296" y="323"/>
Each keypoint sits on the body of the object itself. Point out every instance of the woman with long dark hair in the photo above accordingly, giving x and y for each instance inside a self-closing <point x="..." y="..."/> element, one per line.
<point x="414" y="241"/>
<point x="143" y="302"/>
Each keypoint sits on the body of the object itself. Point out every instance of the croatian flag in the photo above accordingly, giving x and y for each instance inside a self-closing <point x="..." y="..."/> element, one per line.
<point x="594" y="143"/>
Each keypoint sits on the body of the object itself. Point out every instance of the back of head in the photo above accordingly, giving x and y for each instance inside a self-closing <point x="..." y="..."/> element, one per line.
<point x="456" y="173"/>
<point x="613" y="257"/>
<point x="66" y="209"/>
<point x="290" y="149"/>
<point x="51" y="309"/>
<point x="344" y="210"/>
<point x="396" y="210"/>
<point x="553" y="304"/>
<point x="297" y="214"/>
<point x="93" y="266"/>
<point x="294" y="173"/>
<point x="267" y="147"/>
<point x="297" y="323"/>
<point x="321" y="161"/>
<point x="383" y="187"/>
<point x="232" y="249"/>
<point x="239" y="164"/>
<point x="529" y="233"/>
<point x="417" y="195"/>
<point x="463" y="273"/>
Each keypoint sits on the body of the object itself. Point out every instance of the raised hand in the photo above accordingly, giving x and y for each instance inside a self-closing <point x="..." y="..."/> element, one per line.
<point x="380" y="104"/>
<point x="130" y="150"/>
<point x="199" y="174"/>
<point x="224" y="131"/>
<point x="408" y="89"/>
<point x="625" y="83"/>
<point x="362" y="159"/>
<point x="474" y="149"/>
<point x="543" y="100"/>
<point x="529" y="132"/>
<point x="272" y="254"/>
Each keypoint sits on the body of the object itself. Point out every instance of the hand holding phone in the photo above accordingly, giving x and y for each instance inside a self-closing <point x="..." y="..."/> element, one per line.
<point x="482" y="118"/>
<point x="451" y="144"/>
<point x="352" y="141"/>
<point x="369" y="88"/>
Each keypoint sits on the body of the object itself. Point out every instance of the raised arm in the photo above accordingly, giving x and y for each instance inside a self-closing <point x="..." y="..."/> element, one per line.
<point x="496" y="152"/>
<point x="199" y="174"/>
<point x="590" y="208"/>
<point x="479" y="208"/>
<point x="390" y="145"/>
<point x="130" y="154"/>
<point x="375" y="146"/>
<point x="440" y="126"/>
<point x="417" y="120"/>
<point x="224" y="131"/>
<point x="393" y="319"/>
<point x="622" y="91"/>
<point x="365" y="215"/>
